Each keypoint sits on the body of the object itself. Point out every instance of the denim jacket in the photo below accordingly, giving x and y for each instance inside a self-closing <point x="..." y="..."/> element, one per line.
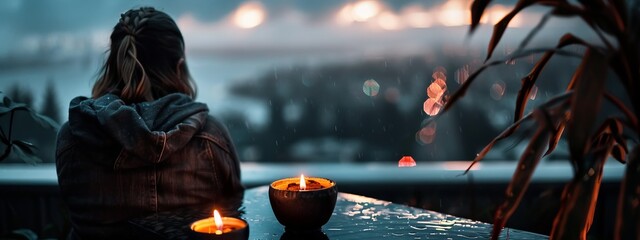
<point x="117" y="161"/>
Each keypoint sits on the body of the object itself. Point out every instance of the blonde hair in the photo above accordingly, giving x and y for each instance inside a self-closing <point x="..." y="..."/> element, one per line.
<point x="146" y="59"/>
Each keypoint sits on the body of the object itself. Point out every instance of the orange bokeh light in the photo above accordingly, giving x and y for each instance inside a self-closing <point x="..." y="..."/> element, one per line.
<point x="249" y="15"/>
<point x="406" y="161"/>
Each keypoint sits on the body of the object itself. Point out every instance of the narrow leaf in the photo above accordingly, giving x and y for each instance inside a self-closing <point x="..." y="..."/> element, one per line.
<point x="529" y="81"/>
<point x="516" y="55"/>
<point x="534" y="31"/>
<point x="500" y="27"/>
<point x="506" y="133"/>
<point x="621" y="12"/>
<point x="619" y="153"/>
<point x="44" y="121"/>
<point x="6" y="101"/>
<point x="27" y="147"/>
<point x="23" y="153"/>
<point x="633" y="120"/>
<point x="511" y="129"/>
<point x="522" y="176"/>
<point x="477" y="10"/>
<point x="586" y="101"/>
<point x="580" y="196"/>
<point x="628" y="212"/>
<point x="14" y="107"/>
<point x="555" y="138"/>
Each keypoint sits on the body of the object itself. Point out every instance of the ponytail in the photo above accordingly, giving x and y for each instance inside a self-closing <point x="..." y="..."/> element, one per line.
<point x="136" y="83"/>
<point x="146" y="48"/>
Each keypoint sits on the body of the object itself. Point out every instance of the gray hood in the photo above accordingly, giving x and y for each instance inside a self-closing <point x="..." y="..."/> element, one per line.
<point x="151" y="131"/>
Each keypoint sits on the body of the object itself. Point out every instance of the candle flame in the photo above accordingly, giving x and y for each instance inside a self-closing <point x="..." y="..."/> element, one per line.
<point x="303" y="184"/>
<point x="218" y="219"/>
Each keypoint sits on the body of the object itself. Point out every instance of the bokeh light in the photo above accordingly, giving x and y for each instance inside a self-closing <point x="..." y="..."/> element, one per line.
<point x="392" y="94"/>
<point x="427" y="134"/>
<point x="435" y="91"/>
<point x="389" y="21"/>
<point x="454" y="13"/>
<point x="249" y="15"/>
<point x="462" y="74"/>
<point x="371" y="88"/>
<point x="533" y="93"/>
<point x="407" y="161"/>
<point x="365" y="10"/>
<point x="417" y="17"/>
<point x="497" y="90"/>
<point x="441" y="83"/>
<point x="431" y="107"/>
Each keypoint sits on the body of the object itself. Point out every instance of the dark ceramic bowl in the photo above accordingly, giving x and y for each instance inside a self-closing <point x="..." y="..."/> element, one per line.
<point x="237" y="234"/>
<point x="303" y="210"/>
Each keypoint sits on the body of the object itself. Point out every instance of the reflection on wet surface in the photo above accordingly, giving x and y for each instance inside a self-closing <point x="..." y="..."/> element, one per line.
<point x="358" y="217"/>
<point x="354" y="217"/>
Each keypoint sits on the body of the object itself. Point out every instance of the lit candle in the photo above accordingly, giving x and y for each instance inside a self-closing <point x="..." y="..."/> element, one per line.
<point x="219" y="224"/>
<point x="303" y="183"/>
<point x="218" y="227"/>
<point x="303" y="203"/>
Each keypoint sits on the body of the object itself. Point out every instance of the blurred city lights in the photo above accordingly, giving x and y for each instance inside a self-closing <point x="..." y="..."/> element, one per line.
<point x="365" y="10"/>
<point x="431" y="107"/>
<point x="249" y="15"/>
<point x="454" y="13"/>
<point x="435" y="91"/>
<point x="389" y="21"/>
<point x="417" y="17"/>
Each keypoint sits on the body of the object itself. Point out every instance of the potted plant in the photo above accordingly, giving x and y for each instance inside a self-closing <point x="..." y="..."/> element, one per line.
<point x="22" y="149"/>
<point x="575" y="115"/>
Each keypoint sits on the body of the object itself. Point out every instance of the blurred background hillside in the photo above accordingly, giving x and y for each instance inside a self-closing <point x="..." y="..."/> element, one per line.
<point x="290" y="78"/>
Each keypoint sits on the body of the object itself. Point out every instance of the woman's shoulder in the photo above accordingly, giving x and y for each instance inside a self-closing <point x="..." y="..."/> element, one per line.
<point x="215" y="131"/>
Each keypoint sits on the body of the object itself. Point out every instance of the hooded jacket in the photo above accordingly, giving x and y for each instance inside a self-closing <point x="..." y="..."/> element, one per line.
<point x="117" y="161"/>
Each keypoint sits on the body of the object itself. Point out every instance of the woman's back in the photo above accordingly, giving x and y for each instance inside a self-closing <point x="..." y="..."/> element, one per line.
<point x="141" y="145"/>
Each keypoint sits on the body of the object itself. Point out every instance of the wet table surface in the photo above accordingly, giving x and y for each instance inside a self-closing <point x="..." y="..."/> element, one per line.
<point x="354" y="217"/>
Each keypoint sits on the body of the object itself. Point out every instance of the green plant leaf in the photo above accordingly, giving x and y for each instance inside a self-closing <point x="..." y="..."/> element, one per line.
<point x="25" y="153"/>
<point x="44" y="121"/>
<point x="585" y="104"/>
<point x="3" y="137"/>
<point x="477" y="10"/>
<point x="24" y="234"/>
<point x="6" y="101"/>
<point x="13" y="107"/>
<point x="27" y="147"/>
<point x="522" y="176"/>
<point x="628" y="212"/>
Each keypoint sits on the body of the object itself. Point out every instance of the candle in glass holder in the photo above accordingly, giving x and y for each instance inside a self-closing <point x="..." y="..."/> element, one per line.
<point x="218" y="227"/>
<point x="304" y="203"/>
